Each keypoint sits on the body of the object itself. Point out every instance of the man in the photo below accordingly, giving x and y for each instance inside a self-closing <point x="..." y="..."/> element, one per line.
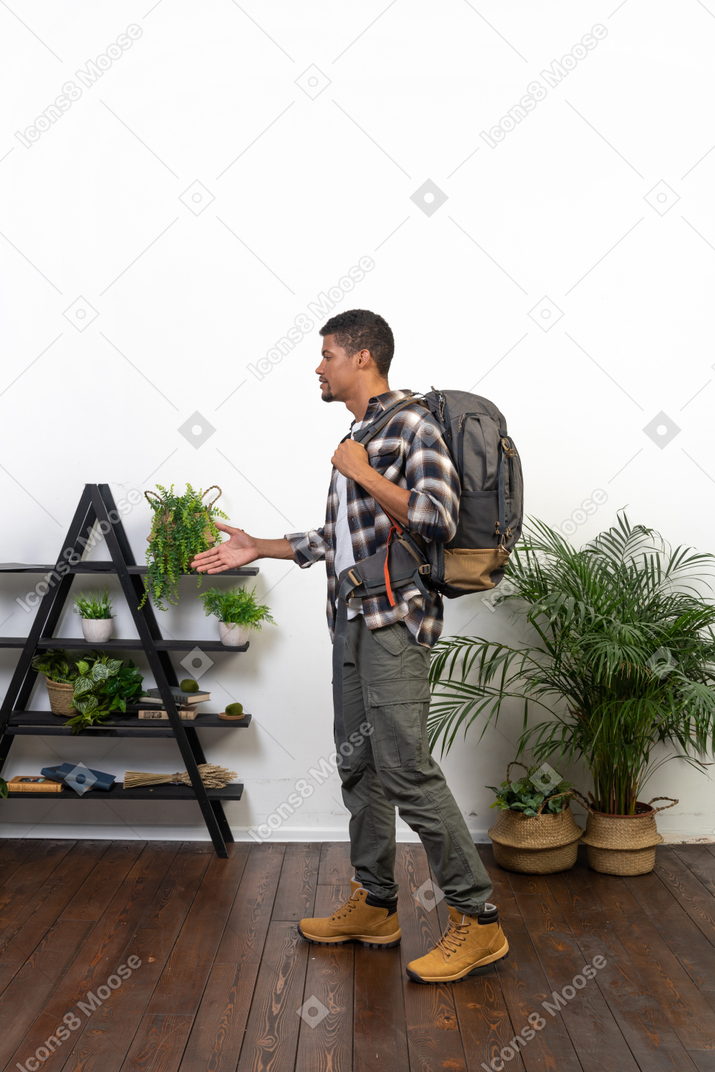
<point x="382" y="697"/>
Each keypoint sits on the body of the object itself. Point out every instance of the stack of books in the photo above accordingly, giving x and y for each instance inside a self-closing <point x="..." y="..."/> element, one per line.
<point x="152" y="704"/>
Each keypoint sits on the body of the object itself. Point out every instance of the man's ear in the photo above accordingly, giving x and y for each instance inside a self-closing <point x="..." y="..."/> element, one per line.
<point x="363" y="357"/>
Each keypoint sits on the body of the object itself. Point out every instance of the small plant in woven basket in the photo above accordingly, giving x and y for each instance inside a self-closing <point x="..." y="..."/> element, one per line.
<point x="182" y="527"/>
<point x="535" y="832"/>
<point x="57" y="665"/>
<point x="540" y="791"/>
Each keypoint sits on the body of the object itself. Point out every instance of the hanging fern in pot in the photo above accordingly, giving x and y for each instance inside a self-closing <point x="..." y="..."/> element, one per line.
<point x="182" y="527"/>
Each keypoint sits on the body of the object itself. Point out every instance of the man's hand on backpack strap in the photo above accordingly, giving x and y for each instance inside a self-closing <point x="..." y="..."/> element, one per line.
<point x="351" y="459"/>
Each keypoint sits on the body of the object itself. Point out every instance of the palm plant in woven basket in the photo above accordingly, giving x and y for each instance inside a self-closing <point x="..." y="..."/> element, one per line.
<point x="622" y="659"/>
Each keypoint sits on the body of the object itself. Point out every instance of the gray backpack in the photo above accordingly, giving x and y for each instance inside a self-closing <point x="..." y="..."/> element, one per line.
<point x="491" y="505"/>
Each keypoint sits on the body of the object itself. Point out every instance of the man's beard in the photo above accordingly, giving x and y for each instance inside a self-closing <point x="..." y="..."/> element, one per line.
<point x="327" y="395"/>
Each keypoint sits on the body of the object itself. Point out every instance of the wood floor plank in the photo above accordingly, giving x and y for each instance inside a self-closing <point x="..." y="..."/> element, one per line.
<point x="271" y="1038"/>
<point x="298" y="882"/>
<point x="159" y="1043"/>
<point x="380" y="1031"/>
<point x="335" y="866"/>
<point x="103" y="951"/>
<point x="36" y="980"/>
<point x="14" y="852"/>
<point x="430" y="1014"/>
<point x="594" y="1032"/>
<point x="674" y="990"/>
<point x="704" y="1060"/>
<point x="30" y="877"/>
<point x="644" y="1025"/>
<point x="217" y="1033"/>
<point x="184" y="976"/>
<point x="110" y="1029"/>
<point x="524" y="983"/>
<point x="98" y="889"/>
<point x="676" y="928"/>
<point x="325" y="1041"/>
<point x="46" y="905"/>
<point x="694" y="897"/>
<point x="700" y="861"/>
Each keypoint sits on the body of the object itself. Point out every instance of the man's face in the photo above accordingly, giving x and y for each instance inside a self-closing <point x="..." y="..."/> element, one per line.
<point x="336" y="371"/>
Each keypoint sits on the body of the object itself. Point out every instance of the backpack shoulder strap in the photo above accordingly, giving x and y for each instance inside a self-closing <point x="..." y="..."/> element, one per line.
<point x="364" y="435"/>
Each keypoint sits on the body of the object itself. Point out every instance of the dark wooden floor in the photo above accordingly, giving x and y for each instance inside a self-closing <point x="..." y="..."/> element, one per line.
<point x="223" y="971"/>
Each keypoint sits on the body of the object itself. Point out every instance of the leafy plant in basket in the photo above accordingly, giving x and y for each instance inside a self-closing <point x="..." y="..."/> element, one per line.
<point x="623" y="659"/>
<point x="182" y="527"/>
<point x="102" y="685"/>
<point x="530" y="792"/>
<point x="57" y="665"/>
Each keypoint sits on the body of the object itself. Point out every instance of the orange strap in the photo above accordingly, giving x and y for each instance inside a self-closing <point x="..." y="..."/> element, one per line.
<point x="388" y="586"/>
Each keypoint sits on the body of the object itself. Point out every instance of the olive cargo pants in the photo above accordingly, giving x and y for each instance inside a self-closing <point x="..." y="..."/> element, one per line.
<point x="388" y="765"/>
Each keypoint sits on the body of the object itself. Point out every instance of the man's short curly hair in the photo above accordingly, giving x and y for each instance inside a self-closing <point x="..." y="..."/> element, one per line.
<point x="359" y="329"/>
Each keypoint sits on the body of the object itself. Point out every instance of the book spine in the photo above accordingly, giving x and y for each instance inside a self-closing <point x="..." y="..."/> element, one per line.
<point x="162" y="716"/>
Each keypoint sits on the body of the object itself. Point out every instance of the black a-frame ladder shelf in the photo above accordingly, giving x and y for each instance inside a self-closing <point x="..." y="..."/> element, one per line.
<point x="97" y="505"/>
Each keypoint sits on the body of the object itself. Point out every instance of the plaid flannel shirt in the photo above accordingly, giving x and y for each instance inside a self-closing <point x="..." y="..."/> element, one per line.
<point x="406" y="453"/>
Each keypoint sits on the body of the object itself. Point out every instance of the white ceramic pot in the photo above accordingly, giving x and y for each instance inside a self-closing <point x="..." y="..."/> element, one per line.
<point x="233" y="636"/>
<point x="97" y="630"/>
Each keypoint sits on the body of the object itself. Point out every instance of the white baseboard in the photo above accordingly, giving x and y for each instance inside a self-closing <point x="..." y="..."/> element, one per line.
<point x="123" y="832"/>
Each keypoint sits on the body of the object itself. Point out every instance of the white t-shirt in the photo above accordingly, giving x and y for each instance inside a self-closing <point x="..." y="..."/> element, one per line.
<point x="344" y="556"/>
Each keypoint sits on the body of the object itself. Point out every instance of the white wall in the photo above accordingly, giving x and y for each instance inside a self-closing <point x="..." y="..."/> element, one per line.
<point x="296" y="191"/>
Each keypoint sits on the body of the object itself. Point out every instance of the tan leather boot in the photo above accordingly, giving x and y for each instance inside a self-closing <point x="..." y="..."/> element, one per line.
<point x="354" y="921"/>
<point x="469" y="943"/>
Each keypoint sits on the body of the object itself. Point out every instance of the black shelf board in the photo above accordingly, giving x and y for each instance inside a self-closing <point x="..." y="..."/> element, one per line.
<point x="80" y="644"/>
<point x="102" y="566"/>
<point x="45" y="724"/>
<point x="149" y="792"/>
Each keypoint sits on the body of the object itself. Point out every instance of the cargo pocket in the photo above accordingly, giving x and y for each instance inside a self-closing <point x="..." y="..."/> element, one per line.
<point x="393" y="638"/>
<point x="398" y="711"/>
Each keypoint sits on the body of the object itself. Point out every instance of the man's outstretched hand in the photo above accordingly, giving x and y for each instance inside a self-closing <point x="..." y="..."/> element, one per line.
<point x="233" y="553"/>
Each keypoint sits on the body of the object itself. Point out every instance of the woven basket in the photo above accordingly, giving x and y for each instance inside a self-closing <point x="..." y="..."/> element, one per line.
<point x="60" y="698"/>
<point x="623" y="844"/>
<point x="163" y="517"/>
<point x="538" y="845"/>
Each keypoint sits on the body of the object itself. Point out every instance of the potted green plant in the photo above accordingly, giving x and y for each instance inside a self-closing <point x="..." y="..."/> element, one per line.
<point x="95" y="611"/>
<point x="622" y="661"/>
<point x="182" y="527"/>
<point x="238" y="612"/>
<point x="86" y="690"/>
<point x="535" y="832"/>
<point x="102" y="685"/>
<point x="60" y="670"/>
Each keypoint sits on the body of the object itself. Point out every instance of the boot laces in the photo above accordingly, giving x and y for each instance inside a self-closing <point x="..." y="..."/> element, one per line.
<point x="345" y="909"/>
<point x="453" y="937"/>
